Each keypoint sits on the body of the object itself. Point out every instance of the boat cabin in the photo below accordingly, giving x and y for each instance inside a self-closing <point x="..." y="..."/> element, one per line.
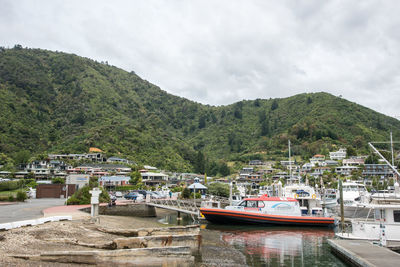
<point x="269" y="205"/>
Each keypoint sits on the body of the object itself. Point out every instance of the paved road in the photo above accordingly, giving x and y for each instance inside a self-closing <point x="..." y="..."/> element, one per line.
<point x="31" y="209"/>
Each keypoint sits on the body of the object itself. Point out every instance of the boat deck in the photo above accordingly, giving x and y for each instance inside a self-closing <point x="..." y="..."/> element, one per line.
<point x="364" y="253"/>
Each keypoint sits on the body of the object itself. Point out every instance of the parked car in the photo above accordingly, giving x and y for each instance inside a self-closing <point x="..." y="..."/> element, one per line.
<point x="155" y="195"/>
<point x="133" y="196"/>
<point x="118" y="194"/>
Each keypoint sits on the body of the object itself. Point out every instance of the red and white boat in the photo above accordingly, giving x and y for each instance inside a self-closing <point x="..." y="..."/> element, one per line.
<point x="265" y="210"/>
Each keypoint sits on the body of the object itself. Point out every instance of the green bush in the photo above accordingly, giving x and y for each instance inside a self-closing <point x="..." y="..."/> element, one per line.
<point x="73" y="200"/>
<point x="185" y="193"/>
<point x="10" y="198"/>
<point x="58" y="180"/>
<point x="21" y="195"/>
<point x="198" y="195"/>
<point x="82" y="196"/>
<point x="10" y="185"/>
<point x="4" y="198"/>
<point x="218" y="189"/>
<point x="126" y="188"/>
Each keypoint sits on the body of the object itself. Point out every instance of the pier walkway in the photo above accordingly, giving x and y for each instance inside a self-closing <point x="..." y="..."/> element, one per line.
<point x="191" y="206"/>
<point x="364" y="253"/>
<point x="184" y="206"/>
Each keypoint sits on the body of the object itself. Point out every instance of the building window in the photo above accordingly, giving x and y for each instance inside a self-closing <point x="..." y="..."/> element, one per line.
<point x="396" y="215"/>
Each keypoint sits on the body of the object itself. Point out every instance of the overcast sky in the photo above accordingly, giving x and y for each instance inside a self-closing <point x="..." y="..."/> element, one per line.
<point x="219" y="52"/>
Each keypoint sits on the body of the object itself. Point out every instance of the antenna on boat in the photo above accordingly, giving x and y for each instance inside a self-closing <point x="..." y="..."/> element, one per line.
<point x="290" y="165"/>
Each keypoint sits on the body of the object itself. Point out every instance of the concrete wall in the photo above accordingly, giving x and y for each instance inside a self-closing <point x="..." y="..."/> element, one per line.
<point x="135" y="210"/>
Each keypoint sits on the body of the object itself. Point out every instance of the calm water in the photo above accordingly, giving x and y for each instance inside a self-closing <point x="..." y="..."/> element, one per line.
<point x="274" y="246"/>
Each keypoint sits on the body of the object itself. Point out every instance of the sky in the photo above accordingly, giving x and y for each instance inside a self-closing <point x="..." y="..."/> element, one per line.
<point x="218" y="52"/>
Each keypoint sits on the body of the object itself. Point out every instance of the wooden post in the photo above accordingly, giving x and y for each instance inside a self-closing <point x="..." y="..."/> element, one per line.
<point x="230" y="194"/>
<point x="179" y="218"/>
<point x="341" y="204"/>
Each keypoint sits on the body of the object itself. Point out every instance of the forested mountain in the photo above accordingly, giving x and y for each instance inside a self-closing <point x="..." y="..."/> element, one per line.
<point x="58" y="102"/>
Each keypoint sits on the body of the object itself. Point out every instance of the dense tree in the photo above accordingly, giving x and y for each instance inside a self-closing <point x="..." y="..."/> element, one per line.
<point x="136" y="178"/>
<point x="371" y="159"/>
<point x="200" y="163"/>
<point x="218" y="189"/>
<point x="274" y="104"/>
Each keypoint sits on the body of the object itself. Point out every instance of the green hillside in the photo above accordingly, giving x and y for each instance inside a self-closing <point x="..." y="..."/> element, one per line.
<point x="58" y="102"/>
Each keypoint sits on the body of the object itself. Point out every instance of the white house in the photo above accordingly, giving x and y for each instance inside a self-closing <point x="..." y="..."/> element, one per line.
<point x="345" y="170"/>
<point x="79" y="179"/>
<point x="113" y="180"/>
<point x="338" y="155"/>
<point x="317" y="159"/>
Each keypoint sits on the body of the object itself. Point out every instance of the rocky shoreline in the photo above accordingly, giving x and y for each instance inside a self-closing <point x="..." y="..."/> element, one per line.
<point x="70" y="240"/>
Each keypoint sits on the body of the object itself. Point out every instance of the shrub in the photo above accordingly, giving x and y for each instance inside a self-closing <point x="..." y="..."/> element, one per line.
<point x="82" y="196"/>
<point x="198" y="195"/>
<point x="185" y="193"/>
<point x="73" y="200"/>
<point x="10" y="185"/>
<point x="218" y="189"/>
<point x="10" y="198"/>
<point x="4" y="198"/>
<point x="21" y="195"/>
<point x="58" y="180"/>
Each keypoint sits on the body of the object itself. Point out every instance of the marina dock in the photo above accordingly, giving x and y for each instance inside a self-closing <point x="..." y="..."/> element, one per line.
<point x="364" y="253"/>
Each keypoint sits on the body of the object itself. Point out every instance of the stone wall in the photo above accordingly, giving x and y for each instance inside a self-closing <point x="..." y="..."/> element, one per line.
<point x="134" y="210"/>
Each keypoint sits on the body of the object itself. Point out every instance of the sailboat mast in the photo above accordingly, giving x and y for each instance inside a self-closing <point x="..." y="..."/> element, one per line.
<point x="290" y="165"/>
<point x="391" y="147"/>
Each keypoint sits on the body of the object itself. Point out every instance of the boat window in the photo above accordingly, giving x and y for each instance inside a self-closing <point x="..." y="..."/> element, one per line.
<point x="379" y="214"/>
<point x="261" y="204"/>
<point x="252" y="204"/>
<point x="243" y="204"/>
<point x="396" y="215"/>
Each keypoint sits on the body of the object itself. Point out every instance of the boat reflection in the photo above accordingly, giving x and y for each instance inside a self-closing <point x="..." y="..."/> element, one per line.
<point x="278" y="245"/>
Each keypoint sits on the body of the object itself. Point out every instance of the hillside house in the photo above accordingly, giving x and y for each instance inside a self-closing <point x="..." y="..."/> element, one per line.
<point x="382" y="170"/>
<point x="256" y="162"/>
<point x="338" y="155"/>
<point x="117" y="160"/>
<point x="113" y="181"/>
<point x="307" y="167"/>
<point x="285" y="163"/>
<point x="353" y="162"/>
<point x="317" y="159"/>
<point x="154" y="178"/>
<point x="345" y="170"/>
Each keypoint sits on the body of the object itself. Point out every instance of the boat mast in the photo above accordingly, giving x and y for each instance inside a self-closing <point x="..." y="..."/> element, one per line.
<point x="391" y="147"/>
<point x="384" y="159"/>
<point x="290" y="165"/>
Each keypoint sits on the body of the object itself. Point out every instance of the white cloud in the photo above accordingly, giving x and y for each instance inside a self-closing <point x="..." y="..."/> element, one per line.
<point x="219" y="52"/>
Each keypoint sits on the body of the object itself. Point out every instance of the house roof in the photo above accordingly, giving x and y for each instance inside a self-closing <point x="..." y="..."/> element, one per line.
<point x="114" y="178"/>
<point x="95" y="149"/>
<point x="197" y="186"/>
<point x="115" y="158"/>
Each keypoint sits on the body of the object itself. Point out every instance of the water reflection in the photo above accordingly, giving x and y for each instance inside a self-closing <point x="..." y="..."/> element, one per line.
<point x="173" y="219"/>
<point x="272" y="246"/>
<point x="278" y="246"/>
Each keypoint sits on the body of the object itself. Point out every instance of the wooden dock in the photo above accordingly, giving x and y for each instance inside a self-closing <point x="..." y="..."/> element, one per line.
<point x="364" y="253"/>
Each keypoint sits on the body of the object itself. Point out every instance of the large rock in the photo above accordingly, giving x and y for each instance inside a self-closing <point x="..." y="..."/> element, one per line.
<point x="168" y="256"/>
<point x="192" y="241"/>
